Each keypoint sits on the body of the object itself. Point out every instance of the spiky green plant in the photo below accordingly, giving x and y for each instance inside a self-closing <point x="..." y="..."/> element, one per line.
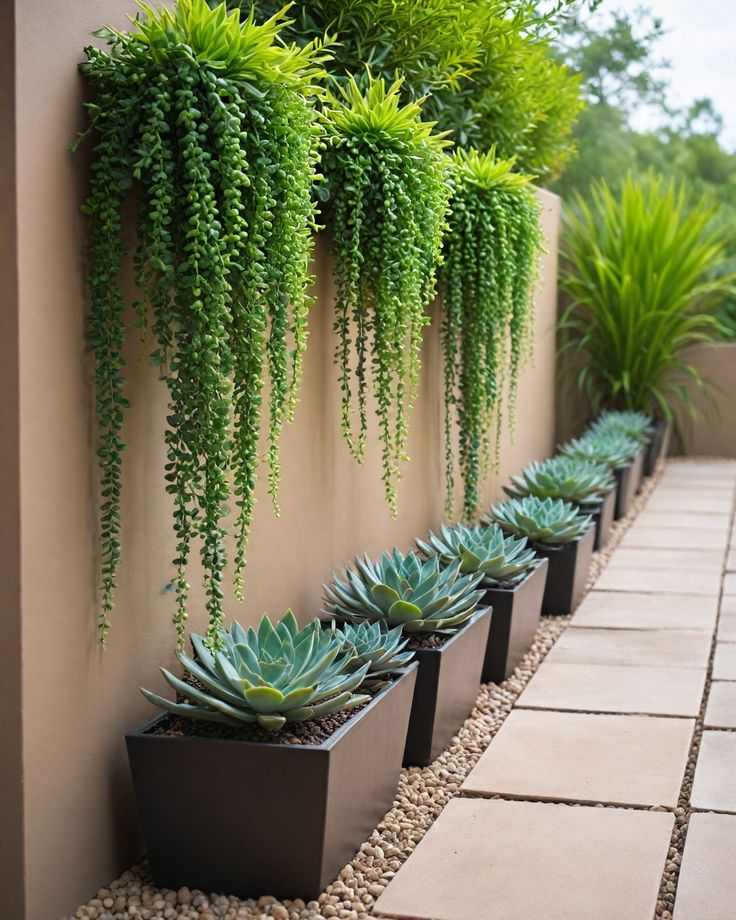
<point x="611" y="448"/>
<point x="386" y="173"/>
<point x="503" y="560"/>
<point x="402" y="590"/>
<point x="271" y="676"/>
<point x="643" y="271"/>
<point x="491" y="253"/>
<point x="635" y="425"/>
<point x="549" y="521"/>
<point x="570" y="478"/>
<point x="381" y="648"/>
<point x="211" y="119"/>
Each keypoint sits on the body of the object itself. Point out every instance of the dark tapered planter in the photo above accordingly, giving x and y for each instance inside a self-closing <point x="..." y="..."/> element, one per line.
<point x="628" y="480"/>
<point x="446" y="690"/>
<point x="602" y="515"/>
<point x="516" y="613"/>
<point x="569" y="565"/>
<point x="252" y="818"/>
<point x="658" y="445"/>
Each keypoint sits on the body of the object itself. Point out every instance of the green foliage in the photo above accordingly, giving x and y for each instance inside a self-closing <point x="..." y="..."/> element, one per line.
<point x="491" y="252"/>
<point x="640" y="271"/>
<point x="612" y="448"/>
<point x="211" y="118"/>
<point x="503" y="560"/>
<point x="488" y="65"/>
<point x="550" y="521"/>
<point x="631" y="424"/>
<point x="403" y="591"/>
<point x="726" y="318"/>
<point x="373" y="644"/>
<point x="583" y="482"/>
<point x="272" y="676"/>
<point x="387" y="174"/>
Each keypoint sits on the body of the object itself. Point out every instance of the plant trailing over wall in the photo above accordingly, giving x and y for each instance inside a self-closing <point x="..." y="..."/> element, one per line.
<point x="642" y="272"/>
<point x="211" y="118"/>
<point x="387" y="177"/>
<point x="491" y="253"/>
<point x="271" y="676"/>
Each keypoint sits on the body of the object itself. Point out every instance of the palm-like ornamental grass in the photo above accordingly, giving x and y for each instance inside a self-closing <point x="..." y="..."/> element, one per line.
<point x="382" y="649"/>
<point x="422" y="597"/>
<point x="612" y="448"/>
<point x="503" y="560"/>
<point x="569" y="478"/>
<point x="635" y="425"/>
<point x="271" y="676"/>
<point x="550" y="521"/>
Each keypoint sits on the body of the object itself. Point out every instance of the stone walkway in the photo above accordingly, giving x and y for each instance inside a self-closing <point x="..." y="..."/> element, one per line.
<point x="581" y="805"/>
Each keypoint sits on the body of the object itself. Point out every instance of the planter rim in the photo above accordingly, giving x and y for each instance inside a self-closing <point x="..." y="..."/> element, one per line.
<point x="326" y="745"/>
<point x="577" y="539"/>
<point x="539" y="562"/>
<point x="480" y="611"/>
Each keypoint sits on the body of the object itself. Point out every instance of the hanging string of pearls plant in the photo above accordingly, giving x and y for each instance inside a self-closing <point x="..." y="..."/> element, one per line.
<point x="490" y="266"/>
<point x="212" y="120"/>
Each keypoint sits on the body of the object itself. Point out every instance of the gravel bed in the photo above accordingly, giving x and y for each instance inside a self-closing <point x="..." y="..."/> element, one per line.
<point x="422" y="794"/>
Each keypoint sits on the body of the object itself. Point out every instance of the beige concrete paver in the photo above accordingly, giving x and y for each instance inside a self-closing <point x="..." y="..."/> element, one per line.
<point x="731" y="561"/>
<point x="615" y="688"/>
<point x="650" y="537"/>
<point x="727" y="627"/>
<point x="691" y="559"/>
<point x="641" y="647"/>
<point x="578" y="757"/>
<point x="684" y="500"/>
<point x="707" y="886"/>
<point x="629" y="610"/>
<point x="496" y="860"/>
<point x="724" y="663"/>
<point x="719" y="523"/>
<point x="728" y="605"/>
<point x="721" y="709"/>
<point x="729" y="583"/>
<point x="625" y="577"/>
<point x="714" y="788"/>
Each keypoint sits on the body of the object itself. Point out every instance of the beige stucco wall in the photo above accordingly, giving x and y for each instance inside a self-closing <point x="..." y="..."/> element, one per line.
<point x="713" y="430"/>
<point x="78" y="700"/>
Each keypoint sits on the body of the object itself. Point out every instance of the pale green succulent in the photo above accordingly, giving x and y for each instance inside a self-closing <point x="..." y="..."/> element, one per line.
<point x="634" y="425"/>
<point x="612" y="448"/>
<point x="382" y="649"/>
<point x="275" y="675"/>
<point x="568" y="478"/>
<point x="550" y="521"/>
<point x="402" y="590"/>
<point x="503" y="560"/>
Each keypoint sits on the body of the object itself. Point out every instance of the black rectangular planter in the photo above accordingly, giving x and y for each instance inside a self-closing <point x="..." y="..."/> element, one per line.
<point x="628" y="480"/>
<point x="658" y="446"/>
<point x="602" y="515"/>
<point x="568" y="571"/>
<point x="249" y="819"/>
<point x="446" y="690"/>
<point x="516" y="613"/>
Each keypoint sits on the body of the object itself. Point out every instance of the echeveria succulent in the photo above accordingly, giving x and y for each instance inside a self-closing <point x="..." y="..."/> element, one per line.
<point x="403" y="591"/>
<point x="634" y="425"/>
<point x="612" y="448"/>
<point x="271" y="676"/>
<point x="569" y="478"/>
<point x="374" y="644"/>
<point x="541" y="520"/>
<point x="504" y="560"/>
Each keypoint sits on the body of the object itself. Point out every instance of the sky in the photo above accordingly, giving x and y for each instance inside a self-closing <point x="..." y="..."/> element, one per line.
<point x="700" y="45"/>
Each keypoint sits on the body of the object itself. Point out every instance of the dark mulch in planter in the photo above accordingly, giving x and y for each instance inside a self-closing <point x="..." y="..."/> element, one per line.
<point x="316" y="731"/>
<point x="428" y="640"/>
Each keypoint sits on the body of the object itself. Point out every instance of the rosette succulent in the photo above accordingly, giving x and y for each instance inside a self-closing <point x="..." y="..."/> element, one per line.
<point x="569" y="478"/>
<point x="269" y="676"/>
<point x="382" y="649"/>
<point x="403" y="591"/>
<point x="612" y="448"/>
<point x="634" y="425"/>
<point x="550" y="521"/>
<point x="503" y="560"/>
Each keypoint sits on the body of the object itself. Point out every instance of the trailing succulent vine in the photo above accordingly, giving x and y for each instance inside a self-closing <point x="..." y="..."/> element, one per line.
<point x="490" y="264"/>
<point x="212" y="119"/>
<point x="387" y="177"/>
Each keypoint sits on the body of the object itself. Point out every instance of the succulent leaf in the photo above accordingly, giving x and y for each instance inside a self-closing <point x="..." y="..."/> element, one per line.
<point x="541" y="520"/>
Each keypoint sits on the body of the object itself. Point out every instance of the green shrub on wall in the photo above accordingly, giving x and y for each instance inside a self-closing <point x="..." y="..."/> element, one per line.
<point x="491" y="251"/>
<point x="387" y="176"/>
<point x="211" y="119"/>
